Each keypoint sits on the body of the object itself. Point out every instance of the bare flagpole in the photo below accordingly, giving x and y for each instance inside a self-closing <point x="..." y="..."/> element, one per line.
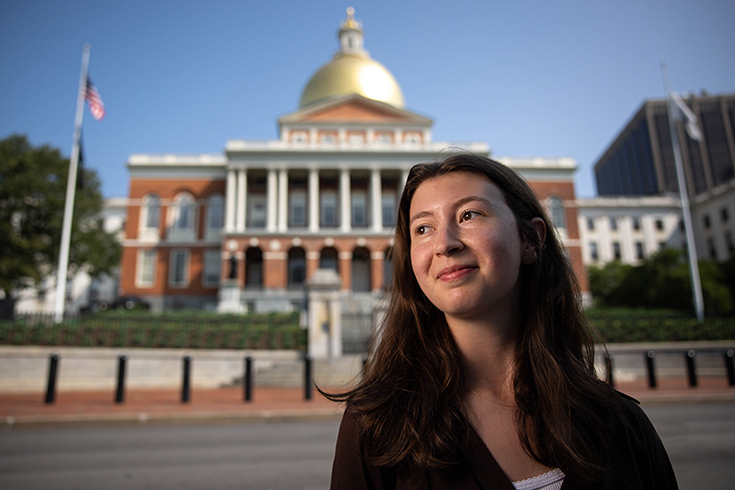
<point x="71" y="186"/>
<point x="684" y="193"/>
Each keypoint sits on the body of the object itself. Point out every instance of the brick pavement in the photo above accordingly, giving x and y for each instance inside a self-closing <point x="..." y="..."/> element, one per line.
<point x="268" y="403"/>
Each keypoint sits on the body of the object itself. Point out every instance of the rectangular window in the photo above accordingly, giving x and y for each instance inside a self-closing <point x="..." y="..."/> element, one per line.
<point x="179" y="269"/>
<point x="328" y="209"/>
<point x="297" y="209"/>
<point x="359" y="210"/>
<point x="593" y="251"/>
<point x="724" y="215"/>
<point x="257" y="211"/>
<point x="590" y="224"/>
<point x="613" y="224"/>
<point x="636" y="224"/>
<point x="711" y="248"/>
<point x="146" y="268"/>
<point x="659" y="225"/>
<point x="216" y="213"/>
<point x="212" y="264"/>
<point x="706" y="222"/>
<point x="639" y="250"/>
<point x="729" y="243"/>
<point x="616" y="251"/>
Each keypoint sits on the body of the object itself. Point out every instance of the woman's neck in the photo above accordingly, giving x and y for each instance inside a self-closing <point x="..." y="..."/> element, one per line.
<point x="489" y="353"/>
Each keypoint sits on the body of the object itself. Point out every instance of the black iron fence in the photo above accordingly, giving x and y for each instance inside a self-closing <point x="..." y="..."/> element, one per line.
<point x="142" y="329"/>
<point x="308" y="380"/>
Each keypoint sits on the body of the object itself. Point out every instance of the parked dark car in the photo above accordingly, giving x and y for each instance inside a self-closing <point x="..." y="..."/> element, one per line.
<point x="130" y="303"/>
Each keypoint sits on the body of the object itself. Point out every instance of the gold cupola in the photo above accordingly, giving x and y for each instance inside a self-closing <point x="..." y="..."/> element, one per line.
<point x="352" y="71"/>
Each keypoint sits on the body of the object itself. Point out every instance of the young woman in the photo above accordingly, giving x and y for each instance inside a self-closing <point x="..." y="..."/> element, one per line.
<point x="483" y="372"/>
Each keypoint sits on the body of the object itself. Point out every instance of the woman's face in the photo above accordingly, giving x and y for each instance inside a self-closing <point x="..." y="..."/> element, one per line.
<point x="466" y="250"/>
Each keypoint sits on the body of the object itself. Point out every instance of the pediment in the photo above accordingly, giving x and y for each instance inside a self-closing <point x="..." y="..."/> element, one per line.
<point x="355" y="109"/>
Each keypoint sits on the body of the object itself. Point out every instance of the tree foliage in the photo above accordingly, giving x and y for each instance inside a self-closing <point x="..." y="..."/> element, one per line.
<point x="32" y="195"/>
<point x="663" y="281"/>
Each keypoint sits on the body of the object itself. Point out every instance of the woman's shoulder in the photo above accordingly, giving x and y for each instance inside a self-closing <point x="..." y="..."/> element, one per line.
<point x="628" y="412"/>
<point x="633" y="442"/>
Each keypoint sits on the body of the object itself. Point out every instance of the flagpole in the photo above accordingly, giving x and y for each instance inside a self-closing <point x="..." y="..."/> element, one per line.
<point x="684" y="193"/>
<point x="71" y="186"/>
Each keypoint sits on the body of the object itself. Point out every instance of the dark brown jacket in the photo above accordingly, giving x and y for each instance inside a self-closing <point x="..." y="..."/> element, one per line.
<point x="637" y="460"/>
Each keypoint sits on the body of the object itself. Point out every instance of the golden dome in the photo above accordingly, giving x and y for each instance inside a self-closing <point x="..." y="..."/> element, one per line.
<point x="352" y="71"/>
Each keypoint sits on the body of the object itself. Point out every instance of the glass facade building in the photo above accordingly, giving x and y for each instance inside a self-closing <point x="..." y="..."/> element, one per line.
<point x="640" y="161"/>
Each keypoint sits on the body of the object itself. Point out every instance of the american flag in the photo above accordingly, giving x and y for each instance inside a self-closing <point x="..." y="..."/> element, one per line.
<point x="92" y="96"/>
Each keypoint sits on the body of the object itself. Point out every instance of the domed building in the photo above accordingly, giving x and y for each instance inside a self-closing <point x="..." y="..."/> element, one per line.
<point x="255" y="228"/>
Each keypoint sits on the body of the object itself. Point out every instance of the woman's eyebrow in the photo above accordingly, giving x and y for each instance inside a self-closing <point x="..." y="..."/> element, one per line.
<point x="458" y="203"/>
<point x="419" y="215"/>
<point x="467" y="199"/>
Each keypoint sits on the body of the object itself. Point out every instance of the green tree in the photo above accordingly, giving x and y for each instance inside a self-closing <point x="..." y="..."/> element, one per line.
<point x="663" y="281"/>
<point x="32" y="195"/>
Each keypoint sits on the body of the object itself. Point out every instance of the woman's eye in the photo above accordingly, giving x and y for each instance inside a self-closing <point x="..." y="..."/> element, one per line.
<point x="422" y="230"/>
<point x="467" y="215"/>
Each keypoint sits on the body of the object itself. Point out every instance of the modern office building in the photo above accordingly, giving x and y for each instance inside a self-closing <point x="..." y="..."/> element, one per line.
<point x="247" y="229"/>
<point x="640" y="162"/>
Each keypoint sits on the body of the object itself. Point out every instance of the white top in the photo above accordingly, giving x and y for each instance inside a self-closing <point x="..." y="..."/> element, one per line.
<point x="552" y="480"/>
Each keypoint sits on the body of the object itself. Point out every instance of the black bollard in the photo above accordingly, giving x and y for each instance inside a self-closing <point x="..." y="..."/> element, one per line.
<point x="52" y="370"/>
<point x="730" y="367"/>
<point x="186" y="384"/>
<point x="248" y="379"/>
<point x="691" y="368"/>
<point x="120" y="392"/>
<point x="650" y="355"/>
<point x="609" y="368"/>
<point x="307" y="377"/>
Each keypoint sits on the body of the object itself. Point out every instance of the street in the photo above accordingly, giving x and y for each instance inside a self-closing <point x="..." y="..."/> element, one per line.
<point x="286" y="455"/>
<point x="700" y="439"/>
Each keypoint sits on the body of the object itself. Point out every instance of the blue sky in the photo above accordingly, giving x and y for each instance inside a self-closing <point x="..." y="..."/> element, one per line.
<point x="544" y="79"/>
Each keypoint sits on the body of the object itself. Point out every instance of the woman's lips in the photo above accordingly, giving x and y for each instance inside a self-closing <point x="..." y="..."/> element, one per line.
<point x="455" y="272"/>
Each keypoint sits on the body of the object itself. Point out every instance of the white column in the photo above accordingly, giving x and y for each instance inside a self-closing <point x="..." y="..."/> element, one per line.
<point x="272" y="191"/>
<point x="345" y="200"/>
<point x="230" y="202"/>
<point x="242" y="189"/>
<point x="402" y="182"/>
<point x="313" y="199"/>
<point x="282" y="200"/>
<point x="376" y="192"/>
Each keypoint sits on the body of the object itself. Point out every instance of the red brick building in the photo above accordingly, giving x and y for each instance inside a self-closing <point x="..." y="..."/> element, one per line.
<point x="246" y="229"/>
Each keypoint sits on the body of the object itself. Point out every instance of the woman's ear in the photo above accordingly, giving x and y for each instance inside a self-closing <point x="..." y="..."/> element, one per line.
<point x="531" y="247"/>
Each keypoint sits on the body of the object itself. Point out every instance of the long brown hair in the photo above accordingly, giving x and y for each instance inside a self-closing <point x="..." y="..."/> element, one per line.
<point x="409" y="403"/>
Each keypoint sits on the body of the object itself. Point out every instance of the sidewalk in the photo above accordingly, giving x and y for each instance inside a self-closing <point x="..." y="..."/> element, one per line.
<point x="268" y="404"/>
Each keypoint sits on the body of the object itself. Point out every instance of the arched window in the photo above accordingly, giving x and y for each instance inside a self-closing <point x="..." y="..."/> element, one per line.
<point x="215" y="212"/>
<point x="296" y="267"/>
<point x="556" y="210"/>
<point x="328" y="259"/>
<point x="253" y="267"/>
<point x="151" y="211"/>
<point x="361" y="282"/>
<point x="183" y="212"/>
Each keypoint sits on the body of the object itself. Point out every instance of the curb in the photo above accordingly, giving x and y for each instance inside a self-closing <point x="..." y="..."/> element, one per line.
<point x="142" y="418"/>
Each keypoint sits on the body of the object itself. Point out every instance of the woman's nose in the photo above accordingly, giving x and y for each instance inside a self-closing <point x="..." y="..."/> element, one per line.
<point x="448" y="241"/>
